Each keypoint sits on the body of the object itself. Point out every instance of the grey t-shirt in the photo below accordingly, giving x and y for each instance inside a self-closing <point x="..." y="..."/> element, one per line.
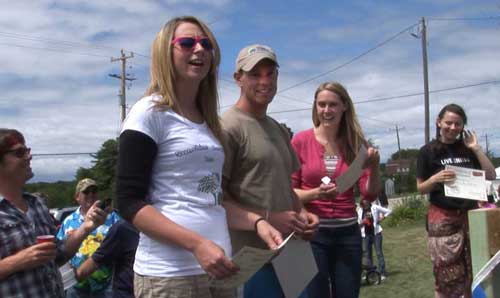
<point x="259" y="162"/>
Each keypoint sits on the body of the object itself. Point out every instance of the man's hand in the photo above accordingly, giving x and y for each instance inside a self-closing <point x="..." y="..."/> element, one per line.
<point x="37" y="255"/>
<point x="94" y="217"/>
<point x="213" y="260"/>
<point x="269" y="234"/>
<point x="312" y="221"/>
<point x="287" y="222"/>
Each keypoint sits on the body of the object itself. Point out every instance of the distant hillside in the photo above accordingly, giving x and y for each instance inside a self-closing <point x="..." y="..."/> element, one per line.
<point x="60" y="193"/>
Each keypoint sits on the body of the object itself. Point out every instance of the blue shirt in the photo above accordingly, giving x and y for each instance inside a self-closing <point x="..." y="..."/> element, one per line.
<point x="100" y="279"/>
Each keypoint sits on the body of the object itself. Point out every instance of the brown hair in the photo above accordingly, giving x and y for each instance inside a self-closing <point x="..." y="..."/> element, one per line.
<point x="162" y="73"/>
<point x="455" y="109"/>
<point x="8" y="138"/>
<point x="437" y="145"/>
<point x="350" y="132"/>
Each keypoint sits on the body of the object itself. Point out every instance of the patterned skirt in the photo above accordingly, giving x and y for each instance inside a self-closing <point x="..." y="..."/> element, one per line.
<point x="449" y="249"/>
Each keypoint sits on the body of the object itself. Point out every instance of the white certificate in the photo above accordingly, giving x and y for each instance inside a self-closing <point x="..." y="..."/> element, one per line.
<point x="347" y="180"/>
<point x="68" y="276"/>
<point x="295" y="267"/>
<point x="468" y="184"/>
<point x="249" y="260"/>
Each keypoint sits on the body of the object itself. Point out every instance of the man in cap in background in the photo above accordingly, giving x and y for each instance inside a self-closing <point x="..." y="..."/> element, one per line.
<point x="98" y="284"/>
<point x="259" y="163"/>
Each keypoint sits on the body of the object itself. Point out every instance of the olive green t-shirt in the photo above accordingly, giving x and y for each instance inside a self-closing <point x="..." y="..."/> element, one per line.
<point x="259" y="162"/>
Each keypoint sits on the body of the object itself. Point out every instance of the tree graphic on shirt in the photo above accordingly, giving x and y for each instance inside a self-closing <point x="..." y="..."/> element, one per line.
<point x="210" y="184"/>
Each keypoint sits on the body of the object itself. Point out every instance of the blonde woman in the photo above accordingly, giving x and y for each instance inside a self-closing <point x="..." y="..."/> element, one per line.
<point x="327" y="150"/>
<point x="170" y="169"/>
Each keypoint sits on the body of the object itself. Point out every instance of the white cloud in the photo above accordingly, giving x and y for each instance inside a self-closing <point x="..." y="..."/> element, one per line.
<point x="67" y="103"/>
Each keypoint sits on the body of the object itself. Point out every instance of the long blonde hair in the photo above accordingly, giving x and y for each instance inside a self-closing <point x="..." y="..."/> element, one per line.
<point x="163" y="77"/>
<point x="349" y="134"/>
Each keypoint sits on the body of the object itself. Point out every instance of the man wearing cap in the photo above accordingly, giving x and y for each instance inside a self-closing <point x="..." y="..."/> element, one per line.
<point x="29" y="256"/>
<point x="259" y="162"/>
<point x="96" y="285"/>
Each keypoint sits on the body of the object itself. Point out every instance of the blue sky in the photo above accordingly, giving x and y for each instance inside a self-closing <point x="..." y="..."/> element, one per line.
<point x="56" y="60"/>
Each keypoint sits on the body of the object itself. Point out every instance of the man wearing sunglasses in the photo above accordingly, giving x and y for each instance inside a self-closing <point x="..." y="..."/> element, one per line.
<point x="28" y="262"/>
<point x="98" y="284"/>
<point x="259" y="162"/>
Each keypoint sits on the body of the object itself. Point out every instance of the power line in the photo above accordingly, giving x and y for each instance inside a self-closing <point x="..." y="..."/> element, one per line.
<point x="62" y="43"/>
<point x="401" y="96"/>
<point x="421" y="93"/>
<point x="349" y="61"/>
<point x="53" y="50"/>
<point x="63" y="154"/>
<point x="377" y="120"/>
<point x="141" y="55"/>
<point x="466" y="19"/>
<point x="54" y="41"/>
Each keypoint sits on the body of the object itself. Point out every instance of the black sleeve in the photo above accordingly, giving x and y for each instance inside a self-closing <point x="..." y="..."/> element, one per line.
<point x="110" y="247"/>
<point x="136" y="156"/>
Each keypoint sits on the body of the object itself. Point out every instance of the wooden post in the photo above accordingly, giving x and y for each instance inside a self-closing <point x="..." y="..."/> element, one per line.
<point x="484" y="230"/>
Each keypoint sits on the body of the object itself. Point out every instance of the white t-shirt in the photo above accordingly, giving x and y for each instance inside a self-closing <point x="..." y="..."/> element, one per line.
<point x="185" y="187"/>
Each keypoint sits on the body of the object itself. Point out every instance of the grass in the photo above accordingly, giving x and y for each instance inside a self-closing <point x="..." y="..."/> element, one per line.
<point x="408" y="264"/>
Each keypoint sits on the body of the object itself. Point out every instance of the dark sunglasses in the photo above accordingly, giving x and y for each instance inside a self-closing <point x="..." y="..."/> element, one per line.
<point x="90" y="190"/>
<point x="188" y="43"/>
<point x="20" y="152"/>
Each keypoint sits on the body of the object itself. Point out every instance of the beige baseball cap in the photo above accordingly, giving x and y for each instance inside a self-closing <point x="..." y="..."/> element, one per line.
<point x="84" y="184"/>
<point x="250" y="55"/>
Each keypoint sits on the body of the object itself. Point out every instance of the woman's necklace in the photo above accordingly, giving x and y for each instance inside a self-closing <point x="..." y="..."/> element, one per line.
<point x="330" y="150"/>
<point x="329" y="147"/>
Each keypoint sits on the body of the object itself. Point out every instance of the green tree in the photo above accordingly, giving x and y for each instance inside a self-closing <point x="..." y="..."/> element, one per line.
<point x="62" y="193"/>
<point x="104" y="168"/>
<point x="496" y="161"/>
<point x="406" y="154"/>
<point x="84" y="173"/>
<point x="406" y="183"/>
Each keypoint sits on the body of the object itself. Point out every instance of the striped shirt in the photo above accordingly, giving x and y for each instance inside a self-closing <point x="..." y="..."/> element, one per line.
<point x="18" y="230"/>
<point x="337" y="222"/>
<point x="330" y="163"/>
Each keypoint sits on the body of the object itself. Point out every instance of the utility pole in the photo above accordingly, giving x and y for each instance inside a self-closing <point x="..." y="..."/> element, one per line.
<point x="123" y="77"/>
<point x="487" y="145"/>
<point x="426" y="81"/>
<point x="399" y="145"/>
<point x="400" y="170"/>
<point x="423" y="36"/>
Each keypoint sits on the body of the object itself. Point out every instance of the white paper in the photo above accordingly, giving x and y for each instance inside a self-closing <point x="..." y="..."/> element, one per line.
<point x="326" y="180"/>
<point x="346" y="180"/>
<point x="68" y="276"/>
<point x="468" y="184"/>
<point x="249" y="260"/>
<point x="295" y="267"/>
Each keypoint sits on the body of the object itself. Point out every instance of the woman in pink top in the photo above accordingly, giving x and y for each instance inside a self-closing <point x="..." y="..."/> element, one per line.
<point x="327" y="150"/>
